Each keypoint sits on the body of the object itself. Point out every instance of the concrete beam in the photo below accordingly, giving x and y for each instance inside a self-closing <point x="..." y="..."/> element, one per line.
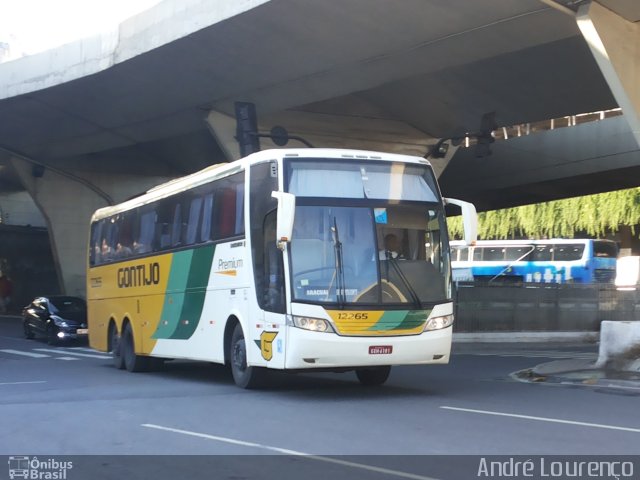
<point x="67" y="206"/>
<point x="615" y="44"/>
<point x="346" y="123"/>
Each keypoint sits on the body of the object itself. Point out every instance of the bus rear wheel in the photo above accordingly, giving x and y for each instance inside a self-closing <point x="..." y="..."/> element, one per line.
<point x="132" y="362"/>
<point x="373" y="376"/>
<point x="244" y="376"/>
<point x="116" y="347"/>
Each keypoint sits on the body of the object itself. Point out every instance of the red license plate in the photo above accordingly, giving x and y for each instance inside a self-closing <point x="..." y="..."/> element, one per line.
<point x="380" y="349"/>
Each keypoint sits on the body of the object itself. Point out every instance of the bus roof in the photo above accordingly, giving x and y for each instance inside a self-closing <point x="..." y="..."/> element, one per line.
<point x="221" y="170"/>
<point x="545" y="241"/>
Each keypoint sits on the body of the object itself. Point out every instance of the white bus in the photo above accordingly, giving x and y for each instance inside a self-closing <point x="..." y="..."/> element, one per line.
<point x="278" y="261"/>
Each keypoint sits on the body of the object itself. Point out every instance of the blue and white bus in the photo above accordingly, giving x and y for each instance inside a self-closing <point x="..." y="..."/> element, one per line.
<point x="538" y="261"/>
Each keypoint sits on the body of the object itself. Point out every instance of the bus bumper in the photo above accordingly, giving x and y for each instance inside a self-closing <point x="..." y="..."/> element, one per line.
<point x="306" y="349"/>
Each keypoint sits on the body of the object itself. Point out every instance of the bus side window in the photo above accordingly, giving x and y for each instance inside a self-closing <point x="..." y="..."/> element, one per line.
<point x="144" y="239"/>
<point x="273" y="267"/>
<point x="207" y="212"/>
<point x="95" y="256"/>
<point x="191" y="226"/>
<point x="228" y="207"/>
<point x="226" y="214"/>
<point x="165" y="210"/>
<point x="124" y="243"/>
<point x="263" y="212"/>
<point x="176" y="225"/>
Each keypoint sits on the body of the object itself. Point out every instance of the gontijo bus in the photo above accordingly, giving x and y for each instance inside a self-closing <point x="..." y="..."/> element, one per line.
<point x="278" y="261"/>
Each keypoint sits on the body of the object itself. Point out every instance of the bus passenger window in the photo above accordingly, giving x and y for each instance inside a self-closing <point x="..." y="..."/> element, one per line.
<point x="205" y="228"/>
<point x="226" y="215"/>
<point x="190" y="234"/>
<point x="176" y="226"/>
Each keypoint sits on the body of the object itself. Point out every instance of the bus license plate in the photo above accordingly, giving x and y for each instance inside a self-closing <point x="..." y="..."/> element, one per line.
<point x="380" y="349"/>
<point x="82" y="331"/>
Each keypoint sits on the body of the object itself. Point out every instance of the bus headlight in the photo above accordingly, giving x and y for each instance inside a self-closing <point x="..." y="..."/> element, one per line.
<point x="437" y="323"/>
<point x="310" y="323"/>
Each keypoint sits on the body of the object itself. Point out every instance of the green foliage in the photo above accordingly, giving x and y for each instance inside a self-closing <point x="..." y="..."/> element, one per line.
<point x="594" y="215"/>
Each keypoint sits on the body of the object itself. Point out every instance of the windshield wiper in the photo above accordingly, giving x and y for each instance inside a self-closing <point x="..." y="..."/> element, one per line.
<point x="341" y="296"/>
<point x="412" y="292"/>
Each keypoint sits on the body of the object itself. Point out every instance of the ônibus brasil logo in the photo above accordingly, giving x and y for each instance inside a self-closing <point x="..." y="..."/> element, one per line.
<point x="38" y="469"/>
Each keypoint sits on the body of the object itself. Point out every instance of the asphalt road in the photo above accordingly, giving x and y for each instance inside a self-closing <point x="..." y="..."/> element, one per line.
<point x="69" y="400"/>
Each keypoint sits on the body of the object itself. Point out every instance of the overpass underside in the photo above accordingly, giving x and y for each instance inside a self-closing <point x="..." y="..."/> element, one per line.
<point x="106" y="118"/>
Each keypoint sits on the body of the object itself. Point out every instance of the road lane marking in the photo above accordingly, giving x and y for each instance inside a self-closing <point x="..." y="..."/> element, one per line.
<point x="61" y="351"/>
<point x="82" y="349"/>
<point x="285" y="451"/>
<point x="23" y="383"/>
<point x="543" y="419"/>
<point x="26" y="354"/>
<point x="67" y="358"/>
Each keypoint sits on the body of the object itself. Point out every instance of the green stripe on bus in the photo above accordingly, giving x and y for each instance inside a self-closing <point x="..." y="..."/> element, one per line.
<point x="414" y="319"/>
<point x="401" y="320"/>
<point x="174" y="296"/>
<point x="196" y="292"/>
<point x="389" y="320"/>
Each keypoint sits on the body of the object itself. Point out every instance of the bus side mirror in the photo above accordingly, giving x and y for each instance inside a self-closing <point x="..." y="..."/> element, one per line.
<point x="469" y="219"/>
<point x="286" y="215"/>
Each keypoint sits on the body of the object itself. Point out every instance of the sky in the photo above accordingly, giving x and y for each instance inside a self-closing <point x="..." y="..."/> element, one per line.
<point x="32" y="26"/>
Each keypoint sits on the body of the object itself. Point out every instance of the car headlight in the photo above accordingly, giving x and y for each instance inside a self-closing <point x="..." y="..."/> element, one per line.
<point x="310" y="323"/>
<point x="59" y="321"/>
<point x="437" y="323"/>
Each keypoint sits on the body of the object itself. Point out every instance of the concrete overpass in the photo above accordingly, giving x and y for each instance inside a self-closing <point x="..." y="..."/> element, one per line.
<point x="153" y="99"/>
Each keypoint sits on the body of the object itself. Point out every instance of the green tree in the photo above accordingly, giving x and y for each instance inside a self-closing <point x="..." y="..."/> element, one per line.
<point x="594" y="215"/>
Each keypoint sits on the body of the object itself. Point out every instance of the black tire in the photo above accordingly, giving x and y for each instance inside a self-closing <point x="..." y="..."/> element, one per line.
<point x="28" y="333"/>
<point x="116" y="348"/>
<point x="373" y="376"/>
<point x="52" y="338"/>
<point x="132" y="362"/>
<point x="243" y="375"/>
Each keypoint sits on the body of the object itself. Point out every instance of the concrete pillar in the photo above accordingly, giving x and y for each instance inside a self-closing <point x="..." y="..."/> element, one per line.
<point x="615" y="44"/>
<point x="223" y="129"/>
<point x="67" y="206"/>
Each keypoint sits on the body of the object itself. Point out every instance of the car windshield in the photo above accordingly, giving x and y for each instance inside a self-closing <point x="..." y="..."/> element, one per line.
<point x="65" y="305"/>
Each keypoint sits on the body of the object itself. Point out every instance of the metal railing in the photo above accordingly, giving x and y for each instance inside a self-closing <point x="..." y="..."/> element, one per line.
<point x="541" y="307"/>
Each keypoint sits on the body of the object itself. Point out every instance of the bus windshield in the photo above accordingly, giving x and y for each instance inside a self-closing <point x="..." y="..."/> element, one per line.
<point x="386" y="246"/>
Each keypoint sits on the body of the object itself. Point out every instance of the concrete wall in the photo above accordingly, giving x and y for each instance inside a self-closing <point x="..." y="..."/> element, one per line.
<point x="18" y="208"/>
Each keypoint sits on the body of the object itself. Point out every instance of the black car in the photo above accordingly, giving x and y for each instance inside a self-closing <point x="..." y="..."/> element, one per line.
<point x="56" y="318"/>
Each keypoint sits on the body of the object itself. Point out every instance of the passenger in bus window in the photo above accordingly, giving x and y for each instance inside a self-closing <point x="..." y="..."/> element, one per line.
<point x="106" y="252"/>
<point x="139" y="247"/>
<point x="122" y="251"/>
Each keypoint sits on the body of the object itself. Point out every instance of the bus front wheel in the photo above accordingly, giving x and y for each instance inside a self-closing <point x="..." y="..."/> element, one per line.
<point x="243" y="375"/>
<point x="373" y="376"/>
